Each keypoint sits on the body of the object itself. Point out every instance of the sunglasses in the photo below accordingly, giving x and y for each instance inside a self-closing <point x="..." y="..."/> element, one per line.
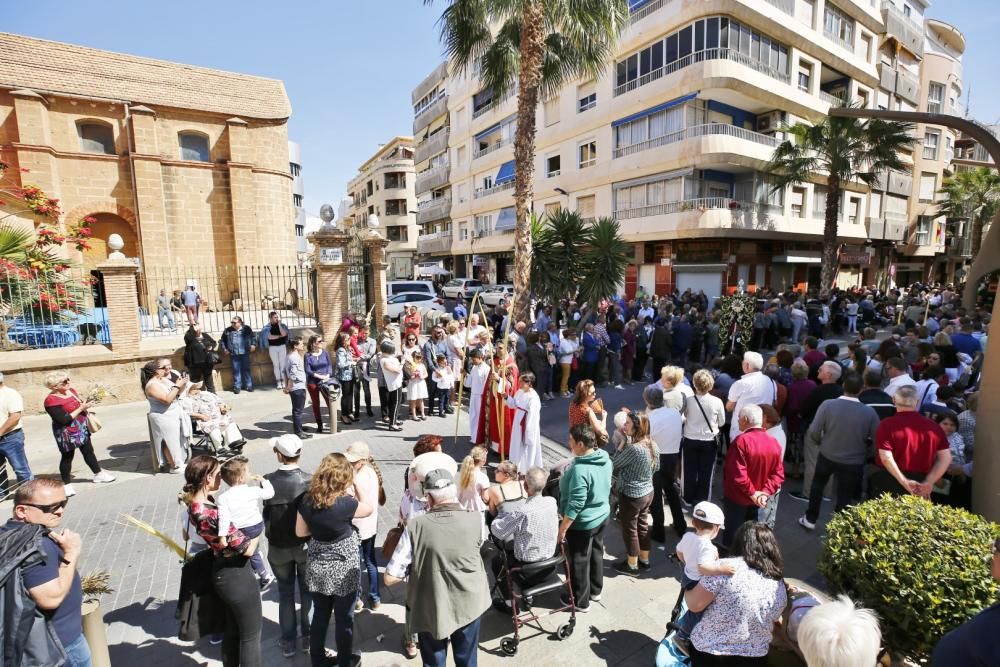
<point x="49" y="509"/>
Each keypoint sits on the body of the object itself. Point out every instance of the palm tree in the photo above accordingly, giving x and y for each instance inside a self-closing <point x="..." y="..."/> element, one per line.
<point x="535" y="47"/>
<point x="972" y="195"/>
<point x="844" y="150"/>
<point x="604" y="260"/>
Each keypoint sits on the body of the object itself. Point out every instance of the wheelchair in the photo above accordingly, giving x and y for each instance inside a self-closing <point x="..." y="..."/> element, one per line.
<point x="526" y="582"/>
<point x="202" y="443"/>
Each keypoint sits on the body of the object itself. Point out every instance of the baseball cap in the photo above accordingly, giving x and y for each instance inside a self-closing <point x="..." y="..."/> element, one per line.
<point x="357" y="451"/>
<point x="709" y="513"/>
<point x="287" y="445"/>
<point x="425" y="464"/>
<point x="438" y="479"/>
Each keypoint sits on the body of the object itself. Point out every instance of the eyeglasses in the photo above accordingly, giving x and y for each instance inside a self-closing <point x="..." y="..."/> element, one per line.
<point x="49" y="509"/>
<point x="161" y="368"/>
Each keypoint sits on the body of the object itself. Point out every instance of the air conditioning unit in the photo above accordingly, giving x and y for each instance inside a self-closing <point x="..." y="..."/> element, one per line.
<point x="770" y="122"/>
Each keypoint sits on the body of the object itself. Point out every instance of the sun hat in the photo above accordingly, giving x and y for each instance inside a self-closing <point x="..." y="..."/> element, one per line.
<point x="357" y="451"/>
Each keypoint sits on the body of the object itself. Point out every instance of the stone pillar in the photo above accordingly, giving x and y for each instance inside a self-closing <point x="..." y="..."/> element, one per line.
<point x="123" y="304"/>
<point x="376" y="254"/>
<point x="151" y="212"/>
<point x="241" y="193"/>
<point x="331" y="277"/>
<point x="31" y="113"/>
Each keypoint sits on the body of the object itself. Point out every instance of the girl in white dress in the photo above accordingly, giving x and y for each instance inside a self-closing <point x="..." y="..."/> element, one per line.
<point x="456" y="344"/>
<point x="416" y="390"/>
<point x="526" y="436"/>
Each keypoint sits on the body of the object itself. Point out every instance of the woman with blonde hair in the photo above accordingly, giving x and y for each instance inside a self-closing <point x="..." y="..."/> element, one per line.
<point x="634" y="463"/>
<point x="473" y="484"/>
<point x="704" y="419"/>
<point x="508" y="493"/>
<point x="333" y="570"/>
<point x="70" y="429"/>
<point x="674" y="389"/>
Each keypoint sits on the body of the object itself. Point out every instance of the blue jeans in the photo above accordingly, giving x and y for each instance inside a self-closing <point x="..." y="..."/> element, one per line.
<point x="77" y="653"/>
<point x="465" y="641"/>
<point x="289" y="565"/>
<point x="369" y="563"/>
<point x="342" y="610"/>
<point x="165" y="314"/>
<point x="241" y="371"/>
<point x="12" y="450"/>
<point x="685" y="622"/>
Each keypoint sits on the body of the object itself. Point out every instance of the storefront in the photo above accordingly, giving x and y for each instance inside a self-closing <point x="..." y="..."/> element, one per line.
<point x="857" y="267"/>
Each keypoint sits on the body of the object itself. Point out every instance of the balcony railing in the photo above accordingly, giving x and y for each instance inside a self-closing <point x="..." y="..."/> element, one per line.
<point x="433" y="209"/>
<point x="431" y="146"/>
<point x="436" y="242"/>
<point x="701" y="204"/>
<point x="486" y="192"/>
<point x="701" y="56"/>
<point x="698" y="131"/>
<point x="837" y="39"/>
<point x="433" y="178"/>
<point x="832" y="100"/>
<point x="645" y="11"/>
<point x="902" y="29"/>
<point x="787" y="6"/>
<point x="430" y="112"/>
<point x="480" y="152"/>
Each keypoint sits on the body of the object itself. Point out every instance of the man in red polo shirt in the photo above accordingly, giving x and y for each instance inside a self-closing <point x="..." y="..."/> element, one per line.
<point x="752" y="474"/>
<point x="912" y="450"/>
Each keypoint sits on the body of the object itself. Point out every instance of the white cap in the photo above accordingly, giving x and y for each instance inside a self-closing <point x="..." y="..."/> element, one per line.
<point x="289" y="445"/>
<point x="709" y="513"/>
<point x="424" y="464"/>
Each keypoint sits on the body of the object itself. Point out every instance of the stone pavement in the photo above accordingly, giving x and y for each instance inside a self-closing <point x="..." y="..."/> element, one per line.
<point x="623" y="629"/>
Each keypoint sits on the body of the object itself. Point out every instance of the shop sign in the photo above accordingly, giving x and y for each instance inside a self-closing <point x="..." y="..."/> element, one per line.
<point x="695" y="252"/>
<point x="862" y="258"/>
<point x="480" y="260"/>
<point x="331" y="256"/>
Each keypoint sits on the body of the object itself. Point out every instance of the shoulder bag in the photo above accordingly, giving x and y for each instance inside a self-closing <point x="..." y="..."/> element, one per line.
<point x="716" y="434"/>
<point x="93" y="423"/>
<point x="391" y="540"/>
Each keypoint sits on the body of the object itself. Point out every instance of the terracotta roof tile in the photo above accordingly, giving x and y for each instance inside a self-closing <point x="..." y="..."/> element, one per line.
<point x="56" y="67"/>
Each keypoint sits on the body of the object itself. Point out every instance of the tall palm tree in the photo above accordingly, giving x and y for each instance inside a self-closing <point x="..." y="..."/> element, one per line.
<point x="844" y="150"/>
<point x="972" y="195"/>
<point x="535" y="47"/>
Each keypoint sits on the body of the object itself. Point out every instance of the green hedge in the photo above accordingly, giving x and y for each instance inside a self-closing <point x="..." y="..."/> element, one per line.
<point x="923" y="568"/>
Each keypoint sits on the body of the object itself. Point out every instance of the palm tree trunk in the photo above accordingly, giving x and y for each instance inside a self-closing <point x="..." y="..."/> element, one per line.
<point x="828" y="271"/>
<point x="978" y="223"/>
<point x="532" y="52"/>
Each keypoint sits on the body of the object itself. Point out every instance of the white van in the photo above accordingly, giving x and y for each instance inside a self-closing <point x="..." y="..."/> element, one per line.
<point x="394" y="287"/>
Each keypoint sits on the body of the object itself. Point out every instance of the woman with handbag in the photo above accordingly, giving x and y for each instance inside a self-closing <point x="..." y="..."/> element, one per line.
<point x="232" y="577"/>
<point x="333" y="571"/>
<point x="70" y="429"/>
<point x="705" y="416"/>
<point x="200" y="356"/>
<point x="344" y="368"/>
<point x="169" y="424"/>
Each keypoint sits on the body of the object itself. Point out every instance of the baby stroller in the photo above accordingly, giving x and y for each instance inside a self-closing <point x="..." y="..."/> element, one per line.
<point x="668" y="653"/>
<point x="529" y="580"/>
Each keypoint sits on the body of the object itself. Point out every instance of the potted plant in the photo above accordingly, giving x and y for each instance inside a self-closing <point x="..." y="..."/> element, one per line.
<point x="94" y="585"/>
<point x="923" y="568"/>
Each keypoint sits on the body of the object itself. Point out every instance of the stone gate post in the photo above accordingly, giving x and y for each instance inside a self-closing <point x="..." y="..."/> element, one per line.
<point x="123" y="304"/>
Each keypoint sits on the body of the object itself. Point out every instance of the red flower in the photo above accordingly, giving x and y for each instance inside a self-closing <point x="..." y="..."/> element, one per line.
<point x="90" y="219"/>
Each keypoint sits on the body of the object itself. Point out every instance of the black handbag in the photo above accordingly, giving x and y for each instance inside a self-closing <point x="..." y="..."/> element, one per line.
<point x="716" y="435"/>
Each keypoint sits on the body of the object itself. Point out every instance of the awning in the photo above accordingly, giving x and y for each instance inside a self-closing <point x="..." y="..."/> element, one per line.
<point x="506" y="219"/>
<point x="635" y="4"/>
<point x="505" y="174"/>
<point x="496" y="126"/>
<point x="652" y="110"/>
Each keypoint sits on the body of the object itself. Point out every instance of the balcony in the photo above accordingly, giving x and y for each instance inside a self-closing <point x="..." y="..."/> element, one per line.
<point x="832" y="100"/>
<point x="837" y="39"/>
<point x="486" y="192"/>
<point x="439" y="74"/>
<point x="787" y="6"/>
<point x="699" y="131"/>
<point x="433" y="209"/>
<point x="896" y="225"/>
<point x="645" y="10"/>
<point x="701" y="56"/>
<point x="431" y="146"/>
<point x="907" y="86"/>
<point x="701" y="204"/>
<point x="902" y="29"/>
<point x="437" y="108"/>
<point x="433" y="178"/>
<point x="959" y="246"/>
<point x="895" y="183"/>
<point x="438" y="242"/>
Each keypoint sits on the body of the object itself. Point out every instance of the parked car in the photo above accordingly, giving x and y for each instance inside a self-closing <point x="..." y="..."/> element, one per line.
<point x="465" y="288"/>
<point x="423" y="301"/>
<point x="493" y="294"/>
<point x="400" y="286"/>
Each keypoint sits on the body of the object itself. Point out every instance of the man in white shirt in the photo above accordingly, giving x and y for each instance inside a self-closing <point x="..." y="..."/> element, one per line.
<point x="12" y="435"/>
<point x="665" y="429"/>
<point x="799" y="319"/>
<point x="896" y="370"/>
<point x="646" y="311"/>
<point x="751" y="389"/>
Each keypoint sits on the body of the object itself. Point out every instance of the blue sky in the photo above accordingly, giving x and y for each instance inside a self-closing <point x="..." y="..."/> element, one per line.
<point x="349" y="67"/>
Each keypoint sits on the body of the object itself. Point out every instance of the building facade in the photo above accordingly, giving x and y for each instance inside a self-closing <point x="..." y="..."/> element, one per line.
<point x="298" y="197"/>
<point x="385" y="187"/>
<point x="189" y="175"/>
<point x="672" y="141"/>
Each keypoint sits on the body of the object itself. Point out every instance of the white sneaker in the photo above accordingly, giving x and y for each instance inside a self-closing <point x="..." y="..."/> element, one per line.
<point x="70" y="491"/>
<point x="103" y="477"/>
<point x="618" y="386"/>
<point x="806" y="523"/>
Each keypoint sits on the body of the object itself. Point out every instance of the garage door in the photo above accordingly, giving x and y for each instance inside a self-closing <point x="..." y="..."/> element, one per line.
<point x="710" y="283"/>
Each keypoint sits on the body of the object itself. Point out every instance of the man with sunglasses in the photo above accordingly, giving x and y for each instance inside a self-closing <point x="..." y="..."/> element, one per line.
<point x="54" y="583"/>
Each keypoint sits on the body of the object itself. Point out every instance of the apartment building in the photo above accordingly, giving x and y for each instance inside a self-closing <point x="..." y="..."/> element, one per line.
<point x="385" y="187"/>
<point x="672" y="139"/>
<point x="298" y="197"/>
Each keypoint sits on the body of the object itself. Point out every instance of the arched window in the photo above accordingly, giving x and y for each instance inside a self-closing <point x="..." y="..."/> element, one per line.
<point x="194" y="146"/>
<point x="96" y="138"/>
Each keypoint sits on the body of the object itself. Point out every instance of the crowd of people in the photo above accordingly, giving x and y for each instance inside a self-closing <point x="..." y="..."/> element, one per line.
<point x="895" y="415"/>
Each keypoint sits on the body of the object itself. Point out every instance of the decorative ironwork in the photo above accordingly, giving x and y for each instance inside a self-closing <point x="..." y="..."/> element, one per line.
<point x="359" y="276"/>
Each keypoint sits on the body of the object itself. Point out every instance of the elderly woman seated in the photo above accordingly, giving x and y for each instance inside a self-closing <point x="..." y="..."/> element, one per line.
<point x="212" y="417"/>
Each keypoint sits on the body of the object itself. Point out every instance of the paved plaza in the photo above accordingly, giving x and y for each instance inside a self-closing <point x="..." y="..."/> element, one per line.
<point x="623" y="629"/>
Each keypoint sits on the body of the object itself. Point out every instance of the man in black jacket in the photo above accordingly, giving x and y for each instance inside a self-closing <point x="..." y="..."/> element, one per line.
<point x="238" y="342"/>
<point x="287" y="552"/>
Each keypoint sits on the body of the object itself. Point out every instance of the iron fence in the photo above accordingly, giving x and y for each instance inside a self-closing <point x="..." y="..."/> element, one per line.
<point x="251" y="292"/>
<point x="51" y="309"/>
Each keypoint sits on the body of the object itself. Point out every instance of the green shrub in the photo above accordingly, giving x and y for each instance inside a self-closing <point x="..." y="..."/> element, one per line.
<point x="923" y="568"/>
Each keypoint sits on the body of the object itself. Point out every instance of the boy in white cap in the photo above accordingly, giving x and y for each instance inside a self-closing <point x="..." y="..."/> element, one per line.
<point x="700" y="558"/>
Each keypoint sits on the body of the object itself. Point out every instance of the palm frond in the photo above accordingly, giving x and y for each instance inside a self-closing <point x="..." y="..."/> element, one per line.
<point x="604" y="260"/>
<point x="145" y="527"/>
<point x="15" y="241"/>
